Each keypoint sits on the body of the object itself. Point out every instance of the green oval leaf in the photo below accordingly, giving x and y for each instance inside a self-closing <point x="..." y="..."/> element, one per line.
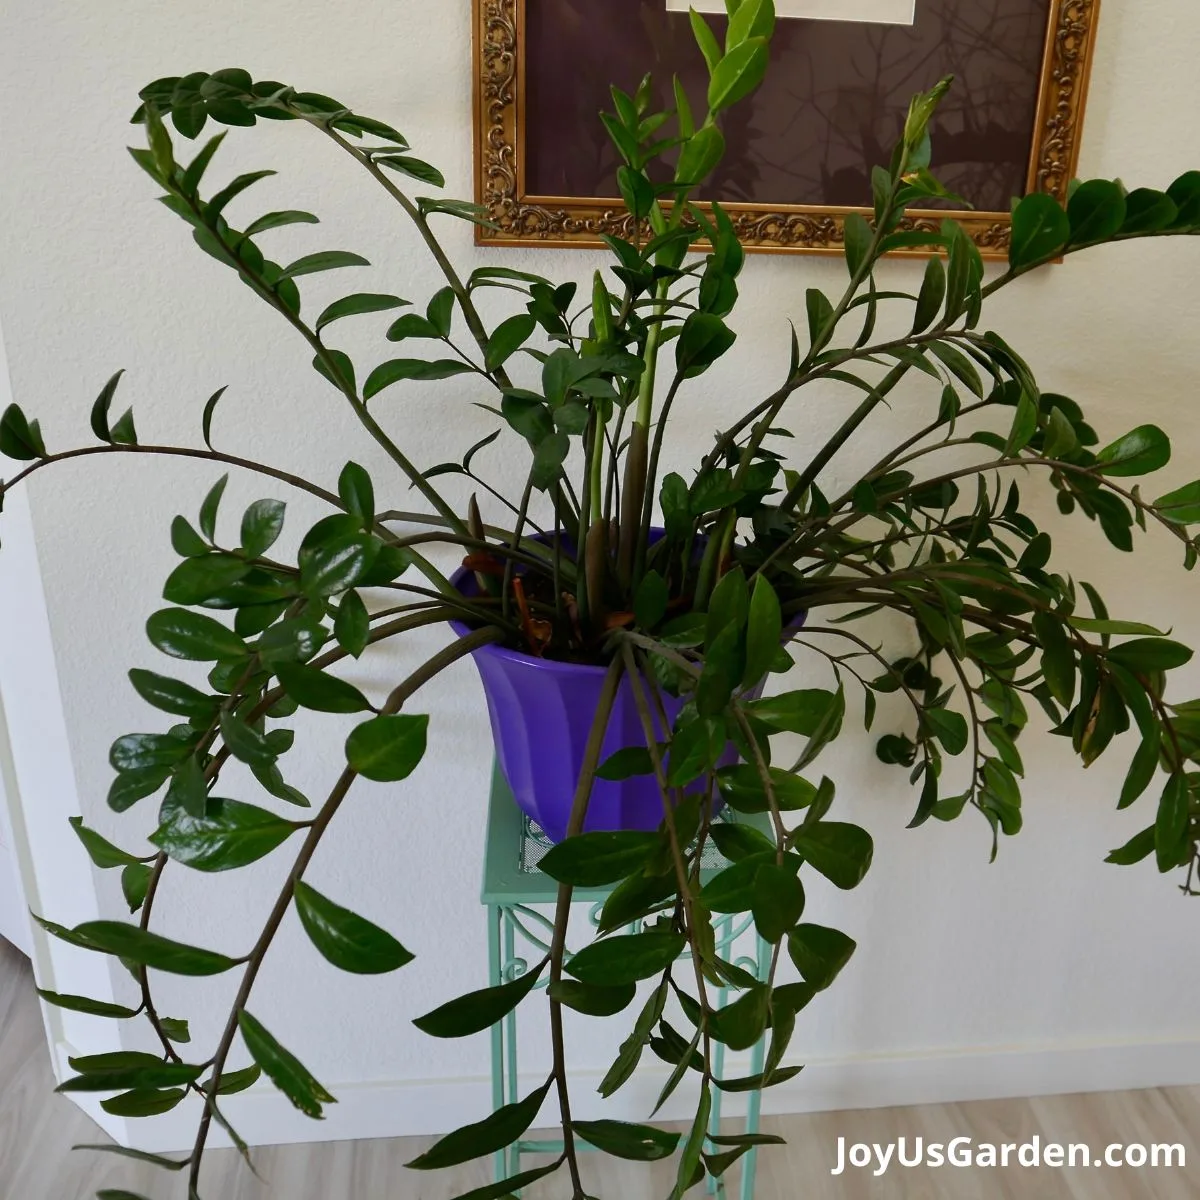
<point x="143" y="1102"/>
<point x="229" y="835"/>
<point x="777" y="901"/>
<point x="345" y="939"/>
<point x="1140" y="452"/>
<point x="84" y="1004"/>
<point x="148" y="949"/>
<point x="412" y="368"/>
<point x="172" y="695"/>
<point x="841" y="852"/>
<point x="323" y="260"/>
<point x="477" y="1011"/>
<point x="593" y="999"/>
<point x="639" y="1143"/>
<point x="20" y="438"/>
<point x="276" y="220"/>
<point x="283" y="1069"/>
<point x="493" y="1133"/>
<point x="820" y="953"/>
<point x="414" y="168"/>
<point x="627" y="958"/>
<point x="320" y="691"/>
<point x="388" y="748"/>
<point x="356" y="305"/>
<point x="596" y="859"/>
<point x="100" y="850"/>
<point x="1096" y="211"/>
<point x="262" y="524"/>
<point x="193" y="636"/>
<point x="337" y="565"/>
<point x="738" y="73"/>
<point x="1040" y="229"/>
<point x="1150" y="654"/>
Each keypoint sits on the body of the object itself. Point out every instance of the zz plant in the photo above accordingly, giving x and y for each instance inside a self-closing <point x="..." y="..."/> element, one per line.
<point x="749" y="544"/>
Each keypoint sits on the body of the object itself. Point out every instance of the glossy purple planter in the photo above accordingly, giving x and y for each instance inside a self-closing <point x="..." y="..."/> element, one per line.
<point x="541" y="713"/>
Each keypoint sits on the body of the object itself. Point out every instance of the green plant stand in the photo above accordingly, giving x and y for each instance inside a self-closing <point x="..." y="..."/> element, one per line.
<point x="512" y="886"/>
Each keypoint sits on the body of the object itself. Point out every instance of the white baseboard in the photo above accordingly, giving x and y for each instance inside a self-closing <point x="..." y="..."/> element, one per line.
<point x="422" y="1107"/>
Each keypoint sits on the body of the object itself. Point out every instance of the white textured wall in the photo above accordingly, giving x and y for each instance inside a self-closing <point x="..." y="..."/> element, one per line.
<point x="1049" y="947"/>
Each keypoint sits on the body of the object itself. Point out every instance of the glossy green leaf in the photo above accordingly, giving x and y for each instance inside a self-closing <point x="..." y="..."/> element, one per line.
<point x="283" y="1069"/>
<point x="228" y="835"/>
<point x="742" y="789"/>
<point x="196" y="580"/>
<point x="101" y="851"/>
<point x="323" y="260"/>
<point x="1171" y="845"/>
<point x="276" y="220"/>
<point x="145" y="948"/>
<point x="703" y="339"/>
<point x="738" y="73"/>
<point x="493" y="1133"/>
<point x="700" y="155"/>
<point x="596" y="859"/>
<point x="1040" y="229"/>
<point x="1096" y="211"/>
<point x="352" y="626"/>
<point x="143" y="1102"/>
<point x="478" y="1010"/>
<point x="841" y="852"/>
<point x="624" y="764"/>
<point x="193" y="636"/>
<point x="135" y="885"/>
<point x="777" y="901"/>
<point x="1150" y="654"/>
<point x="357" y="304"/>
<point x="1144" y="450"/>
<point x="387" y="749"/>
<point x="173" y="695"/>
<point x="313" y="688"/>
<point x="1139" y="847"/>
<point x="626" y="958"/>
<point x="20" y="438"/>
<point x="337" y="565"/>
<point x="593" y="999"/>
<point x="233" y="1082"/>
<point x="800" y="712"/>
<point x="764" y="630"/>
<point x="345" y="939"/>
<point x="740" y="1024"/>
<point x="639" y="1143"/>
<point x="83" y="1004"/>
<point x="99" y="418"/>
<point x="261" y="526"/>
<point x="244" y="742"/>
<point x="1181" y="506"/>
<point x="414" y="168"/>
<point x="418" y="369"/>
<point x="131" y="786"/>
<point x="932" y="295"/>
<point x="820" y="953"/>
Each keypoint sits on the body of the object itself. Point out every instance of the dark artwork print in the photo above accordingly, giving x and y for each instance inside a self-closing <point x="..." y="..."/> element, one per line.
<point x="831" y="107"/>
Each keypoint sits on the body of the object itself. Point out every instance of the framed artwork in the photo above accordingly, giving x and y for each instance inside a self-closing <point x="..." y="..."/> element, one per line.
<point x="802" y="147"/>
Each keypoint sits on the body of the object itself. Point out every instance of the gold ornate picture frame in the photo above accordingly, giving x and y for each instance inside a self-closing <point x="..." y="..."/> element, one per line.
<point x="540" y="154"/>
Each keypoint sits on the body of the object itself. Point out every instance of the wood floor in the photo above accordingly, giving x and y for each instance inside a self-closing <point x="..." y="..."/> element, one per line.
<point x="37" y="1129"/>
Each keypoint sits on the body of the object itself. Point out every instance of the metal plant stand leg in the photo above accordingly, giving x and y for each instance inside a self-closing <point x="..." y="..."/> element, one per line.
<point x="495" y="919"/>
<point x="515" y="892"/>
<point x="760" y="964"/>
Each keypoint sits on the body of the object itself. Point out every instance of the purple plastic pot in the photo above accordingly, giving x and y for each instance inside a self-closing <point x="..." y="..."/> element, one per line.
<point x="541" y="714"/>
